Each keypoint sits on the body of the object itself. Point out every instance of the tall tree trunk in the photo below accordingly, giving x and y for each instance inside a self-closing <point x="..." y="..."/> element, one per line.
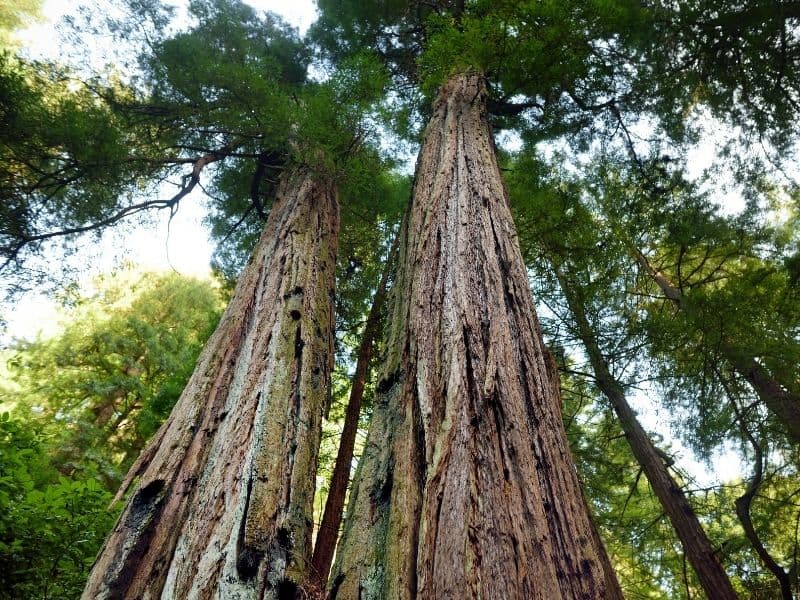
<point x="781" y="401"/>
<point x="696" y="545"/>
<point x="466" y="488"/>
<point x="223" y="503"/>
<point x="613" y="591"/>
<point x="328" y="532"/>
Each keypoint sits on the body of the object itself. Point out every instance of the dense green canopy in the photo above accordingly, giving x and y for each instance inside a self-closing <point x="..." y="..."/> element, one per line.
<point x="689" y="279"/>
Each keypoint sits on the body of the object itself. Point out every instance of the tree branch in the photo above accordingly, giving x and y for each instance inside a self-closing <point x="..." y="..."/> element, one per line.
<point x="188" y="182"/>
<point x="745" y="501"/>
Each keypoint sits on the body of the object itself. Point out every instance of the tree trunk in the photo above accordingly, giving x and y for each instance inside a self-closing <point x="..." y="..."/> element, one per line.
<point x="223" y="504"/>
<point x="782" y="402"/>
<point x="745" y="502"/>
<point x="328" y="532"/>
<point x="613" y="591"/>
<point x="696" y="545"/>
<point x="466" y="488"/>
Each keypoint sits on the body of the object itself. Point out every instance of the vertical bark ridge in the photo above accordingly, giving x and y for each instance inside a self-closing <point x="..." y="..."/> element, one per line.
<point x="466" y="488"/>
<point x="223" y="504"/>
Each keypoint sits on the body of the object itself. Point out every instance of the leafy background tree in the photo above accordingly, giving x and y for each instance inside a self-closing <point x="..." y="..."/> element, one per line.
<point x="107" y="381"/>
<point x="51" y="526"/>
<point x="82" y="403"/>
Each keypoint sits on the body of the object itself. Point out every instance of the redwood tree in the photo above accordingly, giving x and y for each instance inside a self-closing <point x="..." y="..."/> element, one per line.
<point x="211" y="518"/>
<point x="466" y="487"/>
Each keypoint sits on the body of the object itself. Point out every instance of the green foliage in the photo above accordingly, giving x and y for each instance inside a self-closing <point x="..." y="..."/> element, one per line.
<point x="250" y="84"/>
<point x="551" y="66"/>
<point x="46" y="118"/>
<point x="232" y="68"/>
<point x="738" y="58"/>
<point x="345" y="27"/>
<point x="103" y="386"/>
<point x="51" y="527"/>
<point x="643" y="547"/>
<point x="735" y="283"/>
<point x="373" y="197"/>
<point x="639" y="539"/>
<point x="84" y="403"/>
<point x="534" y="48"/>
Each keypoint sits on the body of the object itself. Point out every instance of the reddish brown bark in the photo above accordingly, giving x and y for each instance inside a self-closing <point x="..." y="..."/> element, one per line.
<point x="781" y="401"/>
<point x="223" y="503"/>
<point x="328" y="532"/>
<point x="466" y="488"/>
<point x="696" y="545"/>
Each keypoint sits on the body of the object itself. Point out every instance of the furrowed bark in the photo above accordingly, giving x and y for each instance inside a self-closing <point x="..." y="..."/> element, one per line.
<point x="223" y="503"/>
<point x="782" y="402"/>
<point x="466" y="488"/>
<point x="328" y="532"/>
<point x="696" y="545"/>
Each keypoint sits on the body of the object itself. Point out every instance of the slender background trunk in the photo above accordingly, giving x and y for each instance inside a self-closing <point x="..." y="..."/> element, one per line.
<point x="223" y="503"/>
<point x="328" y="533"/>
<point x="693" y="538"/>
<point x="745" y="502"/>
<point x="467" y="488"/>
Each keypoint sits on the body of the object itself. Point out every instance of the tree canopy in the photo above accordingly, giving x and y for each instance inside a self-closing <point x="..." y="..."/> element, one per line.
<point x="676" y="286"/>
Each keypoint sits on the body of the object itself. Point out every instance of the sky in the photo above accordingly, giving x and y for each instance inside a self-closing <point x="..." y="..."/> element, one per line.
<point x="179" y="244"/>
